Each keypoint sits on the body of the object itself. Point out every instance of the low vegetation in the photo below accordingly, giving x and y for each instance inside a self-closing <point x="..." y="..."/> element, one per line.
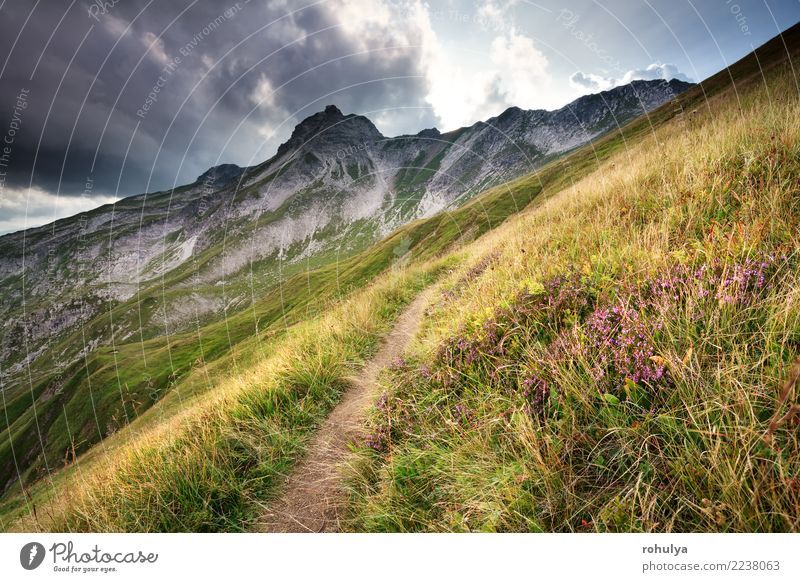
<point x="207" y="468"/>
<point x="621" y="358"/>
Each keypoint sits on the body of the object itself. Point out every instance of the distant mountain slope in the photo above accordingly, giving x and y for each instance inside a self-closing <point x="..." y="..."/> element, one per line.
<point x="336" y="185"/>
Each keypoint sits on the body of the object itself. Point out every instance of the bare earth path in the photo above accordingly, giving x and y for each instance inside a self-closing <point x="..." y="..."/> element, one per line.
<point x="312" y="497"/>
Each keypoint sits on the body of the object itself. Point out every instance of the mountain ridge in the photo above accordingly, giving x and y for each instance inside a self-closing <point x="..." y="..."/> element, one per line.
<point x="335" y="185"/>
<point x="331" y="115"/>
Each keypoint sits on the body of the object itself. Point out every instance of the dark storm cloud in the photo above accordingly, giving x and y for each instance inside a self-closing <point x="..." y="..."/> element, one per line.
<point x="116" y="79"/>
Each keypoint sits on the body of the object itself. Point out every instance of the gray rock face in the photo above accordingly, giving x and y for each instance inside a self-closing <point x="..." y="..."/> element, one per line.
<point x="336" y="180"/>
<point x="219" y="176"/>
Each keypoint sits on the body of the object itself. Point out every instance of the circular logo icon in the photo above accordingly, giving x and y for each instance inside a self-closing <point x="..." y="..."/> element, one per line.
<point x="31" y="555"/>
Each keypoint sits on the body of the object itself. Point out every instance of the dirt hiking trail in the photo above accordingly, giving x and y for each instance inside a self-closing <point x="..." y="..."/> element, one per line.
<point x="312" y="497"/>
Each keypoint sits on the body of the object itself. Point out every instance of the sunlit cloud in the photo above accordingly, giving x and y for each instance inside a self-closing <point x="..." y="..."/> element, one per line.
<point x="31" y="207"/>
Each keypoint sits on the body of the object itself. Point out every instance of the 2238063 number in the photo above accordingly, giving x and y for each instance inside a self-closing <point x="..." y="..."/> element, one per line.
<point x="745" y="565"/>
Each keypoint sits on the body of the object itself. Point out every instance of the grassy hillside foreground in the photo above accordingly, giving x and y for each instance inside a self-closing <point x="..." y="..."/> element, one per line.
<point x="621" y="358"/>
<point x="202" y="469"/>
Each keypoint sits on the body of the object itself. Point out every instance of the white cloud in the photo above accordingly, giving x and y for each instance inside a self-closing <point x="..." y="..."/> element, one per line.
<point x="30" y="207"/>
<point x="516" y="74"/>
<point x="116" y="26"/>
<point x="655" y="71"/>
<point x="583" y="81"/>
<point x="522" y="70"/>
<point x="207" y="61"/>
<point x="264" y="97"/>
<point x="494" y="14"/>
<point x="156" y="47"/>
<point x="370" y="25"/>
<point x="263" y="94"/>
<point x="590" y="82"/>
<point x="465" y="80"/>
<point x="363" y="20"/>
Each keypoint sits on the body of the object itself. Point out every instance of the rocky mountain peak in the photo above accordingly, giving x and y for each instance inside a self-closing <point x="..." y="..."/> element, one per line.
<point x="333" y="111"/>
<point x="219" y="176"/>
<point x="430" y="133"/>
<point x="331" y="126"/>
<point x="510" y="113"/>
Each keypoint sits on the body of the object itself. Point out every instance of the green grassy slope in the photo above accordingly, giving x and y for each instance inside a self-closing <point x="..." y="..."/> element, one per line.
<point x="627" y="355"/>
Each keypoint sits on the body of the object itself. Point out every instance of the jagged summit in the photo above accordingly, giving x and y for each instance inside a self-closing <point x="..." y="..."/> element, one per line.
<point x="647" y="94"/>
<point x="510" y="113"/>
<point x="218" y="176"/>
<point x="330" y="129"/>
<point x="431" y="132"/>
<point x="330" y="125"/>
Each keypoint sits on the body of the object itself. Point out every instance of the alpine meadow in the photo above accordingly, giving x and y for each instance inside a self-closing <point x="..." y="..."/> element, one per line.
<point x="571" y="318"/>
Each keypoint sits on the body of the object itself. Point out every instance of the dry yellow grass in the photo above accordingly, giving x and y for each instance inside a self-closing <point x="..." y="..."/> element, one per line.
<point x="203" y="468"/>
<point x="465" y="443"/>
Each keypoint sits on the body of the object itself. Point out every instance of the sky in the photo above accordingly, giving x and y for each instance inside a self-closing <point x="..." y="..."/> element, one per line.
<point x="102" y="99"/>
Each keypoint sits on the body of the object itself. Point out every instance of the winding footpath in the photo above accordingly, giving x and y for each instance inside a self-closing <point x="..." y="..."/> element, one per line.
<point x="313" y="498"/>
